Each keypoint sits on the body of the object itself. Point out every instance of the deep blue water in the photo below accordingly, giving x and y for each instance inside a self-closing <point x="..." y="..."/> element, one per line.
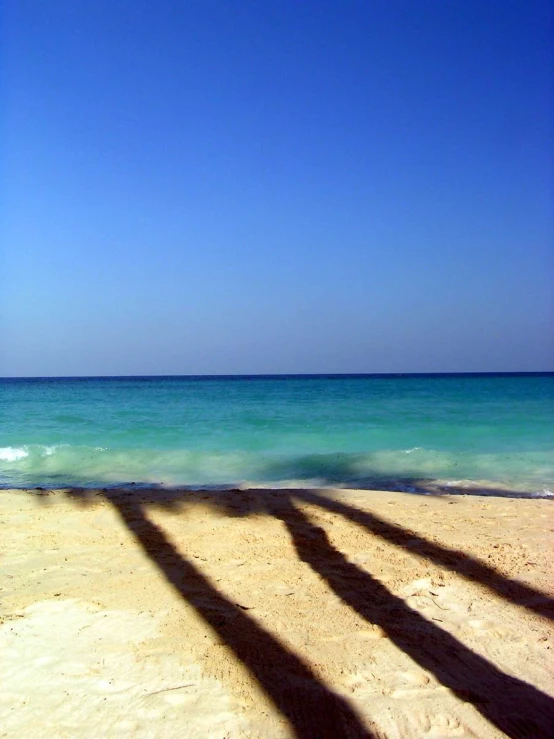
<point x="409" y="432"/>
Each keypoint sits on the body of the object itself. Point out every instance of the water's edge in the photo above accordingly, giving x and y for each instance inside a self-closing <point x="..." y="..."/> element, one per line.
<point x="430" y="434"/>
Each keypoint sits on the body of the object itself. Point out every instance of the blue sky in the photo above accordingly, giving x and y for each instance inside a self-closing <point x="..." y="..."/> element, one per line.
<point x="278" y="186"/>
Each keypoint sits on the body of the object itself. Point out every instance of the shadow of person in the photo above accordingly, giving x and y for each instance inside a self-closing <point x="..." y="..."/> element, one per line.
<point x="311" y="708"/>
<point x="451" y="559"/>
<point x="512" y="705"/>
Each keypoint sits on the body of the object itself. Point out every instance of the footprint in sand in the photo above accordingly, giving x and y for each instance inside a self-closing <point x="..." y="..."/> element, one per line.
<point x="376" y="632"/>
<point x="441" y="725"/>
<point x="415" y="677"/>
<point x="415" y="683"/>
<point x="488" y="627"/>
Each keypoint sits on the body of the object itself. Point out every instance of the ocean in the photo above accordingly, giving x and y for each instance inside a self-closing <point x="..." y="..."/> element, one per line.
<point x="491" y="434"/>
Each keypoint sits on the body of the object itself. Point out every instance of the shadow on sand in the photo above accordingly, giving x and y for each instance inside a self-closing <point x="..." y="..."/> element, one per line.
<point x="312" y="709"/>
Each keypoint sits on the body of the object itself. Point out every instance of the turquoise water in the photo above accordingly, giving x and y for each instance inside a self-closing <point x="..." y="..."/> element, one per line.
<point x="415" y="433"/>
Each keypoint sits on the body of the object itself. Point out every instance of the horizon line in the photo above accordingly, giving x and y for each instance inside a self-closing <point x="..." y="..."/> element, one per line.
<point x="284" y="375"/>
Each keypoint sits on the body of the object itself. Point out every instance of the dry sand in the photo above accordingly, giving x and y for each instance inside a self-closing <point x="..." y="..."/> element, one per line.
<point x="274" y="614"/>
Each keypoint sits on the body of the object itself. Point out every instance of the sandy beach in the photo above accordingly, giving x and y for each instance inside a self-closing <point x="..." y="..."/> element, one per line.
<point x="260" y="613"/>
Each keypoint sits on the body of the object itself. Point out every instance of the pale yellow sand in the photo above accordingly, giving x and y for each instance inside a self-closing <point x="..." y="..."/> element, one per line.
<point x="275" y="614"/>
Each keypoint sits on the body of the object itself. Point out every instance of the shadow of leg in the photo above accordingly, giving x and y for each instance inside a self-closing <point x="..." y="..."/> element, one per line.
<point x="469" y="567"/>
<point x="312" y="709"/>
<point x="515" y="707"/>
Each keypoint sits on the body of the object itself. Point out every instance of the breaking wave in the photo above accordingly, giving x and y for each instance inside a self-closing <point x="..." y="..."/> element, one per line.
<point x="416" y="470"/>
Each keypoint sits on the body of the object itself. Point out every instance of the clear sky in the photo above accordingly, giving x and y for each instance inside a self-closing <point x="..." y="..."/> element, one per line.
<point x="267" y="186"/>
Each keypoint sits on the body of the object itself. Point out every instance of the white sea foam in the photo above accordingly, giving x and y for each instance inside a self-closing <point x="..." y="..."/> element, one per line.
<point x="12" y="454"/>
<point x="413" y="469"/>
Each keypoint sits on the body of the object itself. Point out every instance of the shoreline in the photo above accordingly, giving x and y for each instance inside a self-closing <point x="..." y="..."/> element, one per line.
<point x="434" y="487"/>
<point x="275" y="613"/>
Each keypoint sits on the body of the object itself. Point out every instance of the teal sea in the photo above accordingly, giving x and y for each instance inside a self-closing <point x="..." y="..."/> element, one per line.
<point x="417" y="433"/>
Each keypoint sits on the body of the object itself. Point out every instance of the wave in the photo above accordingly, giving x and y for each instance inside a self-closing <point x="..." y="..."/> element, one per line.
<point x="11" y="454"/>
<point x="416" y="470"/>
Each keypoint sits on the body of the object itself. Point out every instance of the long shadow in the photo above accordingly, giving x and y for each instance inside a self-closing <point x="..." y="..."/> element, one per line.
<point x="246" y="502"/>
<point x="254" y="500"/>
<point x="312" y="709"/>
<point x="452" y="559"/>
<point x="512" y="705"/>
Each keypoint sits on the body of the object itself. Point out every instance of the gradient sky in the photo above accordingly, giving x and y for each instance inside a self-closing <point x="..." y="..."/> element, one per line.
<point x="246" y="186"/>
